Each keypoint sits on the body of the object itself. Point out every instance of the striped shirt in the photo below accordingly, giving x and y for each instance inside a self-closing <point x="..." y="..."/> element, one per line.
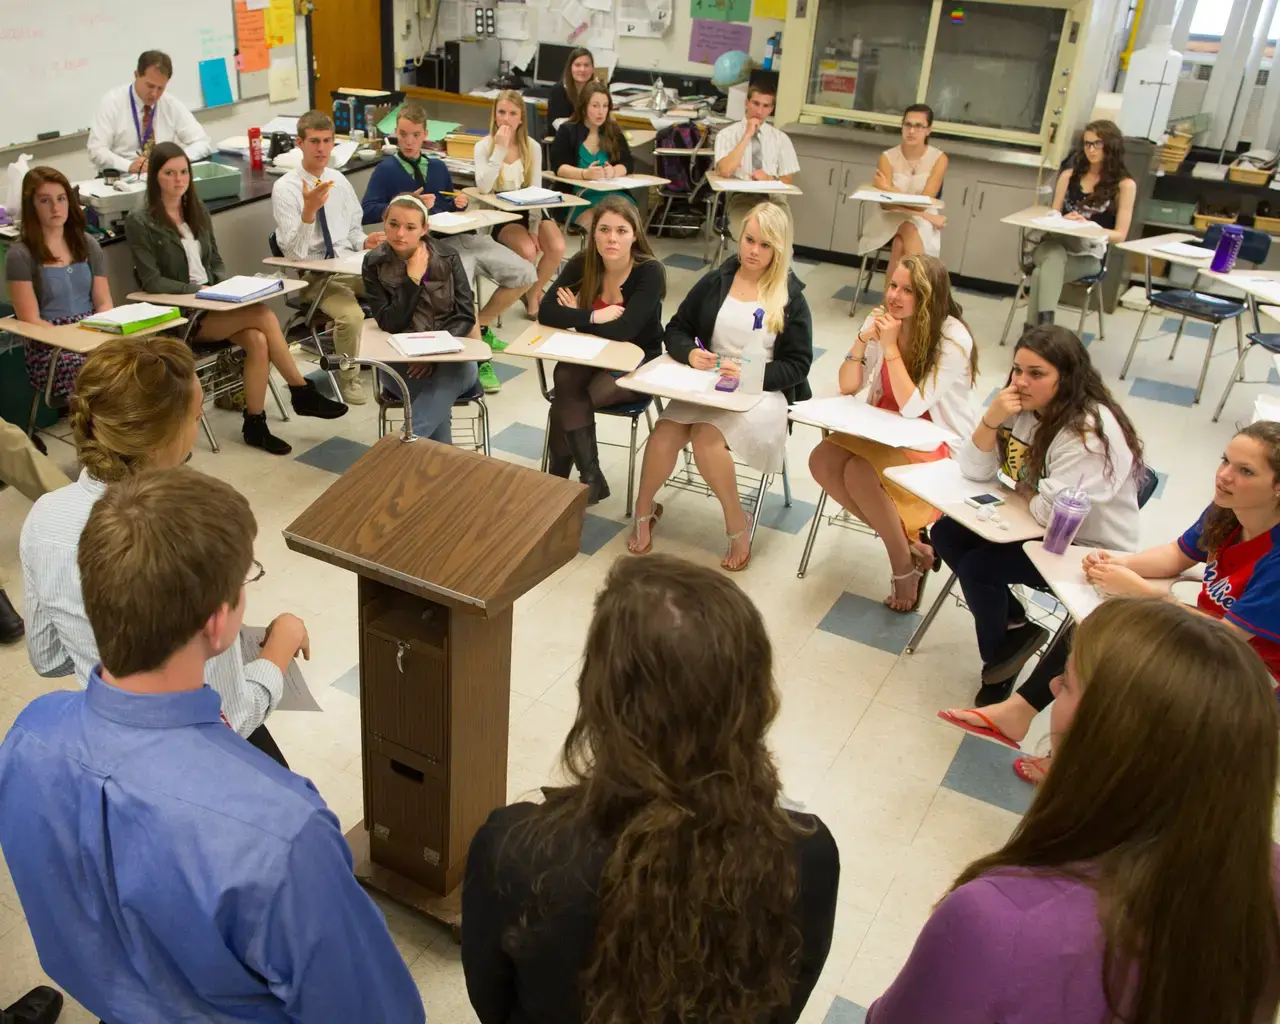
<point x="60" y="640"/>
<point x="777" y="154"/>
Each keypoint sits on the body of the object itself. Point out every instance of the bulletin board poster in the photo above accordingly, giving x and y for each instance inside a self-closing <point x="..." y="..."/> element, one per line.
<point x="265" y="40"/>
<point x="709" y="39"/>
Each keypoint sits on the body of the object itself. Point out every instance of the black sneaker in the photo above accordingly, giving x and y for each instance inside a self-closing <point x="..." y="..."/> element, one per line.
<point x="256" y="435"/>
<point x="308" y="401"/>
<point x="39" y="1006"/>
<point x="11" y="627"/>
<point x="1016" y="650"/>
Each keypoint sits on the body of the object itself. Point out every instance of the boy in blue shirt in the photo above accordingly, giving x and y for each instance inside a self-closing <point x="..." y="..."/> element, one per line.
<point x="410" y="170"/>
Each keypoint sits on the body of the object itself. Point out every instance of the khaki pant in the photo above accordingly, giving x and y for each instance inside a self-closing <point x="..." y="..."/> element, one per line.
<point x="340" y="305"/>
<point x="739" y="204"/>
<point x="23" y="466"/>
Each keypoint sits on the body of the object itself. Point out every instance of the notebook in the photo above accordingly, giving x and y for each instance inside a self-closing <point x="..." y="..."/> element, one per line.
<point x="534" y="195"/>
<point x="130" y="318"/>
<point x="241" y="288"/>
<point x="412" y="345"/>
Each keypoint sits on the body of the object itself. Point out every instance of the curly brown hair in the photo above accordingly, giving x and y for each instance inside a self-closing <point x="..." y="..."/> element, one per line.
<point x="671" y="774"/>
<point x="611" y="137"/>
<point x="1220" y="523"/>
<point x="934" y="303"/>
<point x="1113" y="169"/>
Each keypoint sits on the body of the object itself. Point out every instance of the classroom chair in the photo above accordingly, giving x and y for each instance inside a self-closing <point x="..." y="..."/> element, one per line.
<point x="1092" y="285"/>
<point x="1146" y="488"/>
<point x="843" y="519"/>
<point x="306" y="313"/>
<point x="1269" y="342"/>
<point x="220" y="371"/>
<point x="1202" y="307"/>
<point x="476" y="428"/>
<point x="750" y="494"/>
<point x="699" y="192"/>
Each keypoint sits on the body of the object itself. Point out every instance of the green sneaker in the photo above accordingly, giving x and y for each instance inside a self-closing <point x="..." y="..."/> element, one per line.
<point x="489" y="378"/>
<point x="492" y="340"/>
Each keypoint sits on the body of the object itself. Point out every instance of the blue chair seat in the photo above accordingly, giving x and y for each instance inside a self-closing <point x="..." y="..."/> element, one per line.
<point x="1089" y="280"/>
<point x="474" y="395"/>
<point x="629" y="409"/>
<point x="1271" y="342"/>
<point x="1204" y="307"/>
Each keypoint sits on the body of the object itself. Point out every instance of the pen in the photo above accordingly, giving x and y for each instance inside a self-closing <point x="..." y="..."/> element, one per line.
<point x="446" y="193"/>
<point x="888" y="197"/>
<point x="535" y="341"/>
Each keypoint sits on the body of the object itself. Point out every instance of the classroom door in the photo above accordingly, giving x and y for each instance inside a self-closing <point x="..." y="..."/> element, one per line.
<point x="346" y="47"/>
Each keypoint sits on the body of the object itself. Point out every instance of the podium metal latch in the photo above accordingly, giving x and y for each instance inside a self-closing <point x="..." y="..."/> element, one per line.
<point x="401" y="647"/>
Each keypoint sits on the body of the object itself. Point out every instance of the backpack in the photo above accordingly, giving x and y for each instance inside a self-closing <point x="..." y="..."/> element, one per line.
<point x="681" y="171"/>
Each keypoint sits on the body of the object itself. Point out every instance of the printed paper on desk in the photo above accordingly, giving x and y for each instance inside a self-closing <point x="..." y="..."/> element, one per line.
<point x="625" y="182"/>
<point x="1057" y="222"/>
<point x="414" y="345"/>
<point x="741" y="185"/>
<point x="875" y="195"/>
<point x="676" y="377"/>
<point x="853" y="416"/>
<point x="572" y="346"/>
<point x="297" y="695"/>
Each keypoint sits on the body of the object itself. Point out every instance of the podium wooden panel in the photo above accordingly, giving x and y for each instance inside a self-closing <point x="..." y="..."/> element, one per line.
<point x="443" y="541"/>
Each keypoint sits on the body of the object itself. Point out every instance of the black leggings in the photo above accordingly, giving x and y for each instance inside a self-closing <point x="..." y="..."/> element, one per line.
<point x="579" y="392"/>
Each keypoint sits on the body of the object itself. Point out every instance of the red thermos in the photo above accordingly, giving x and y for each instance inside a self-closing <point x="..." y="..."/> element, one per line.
<point x="255" y="148"/>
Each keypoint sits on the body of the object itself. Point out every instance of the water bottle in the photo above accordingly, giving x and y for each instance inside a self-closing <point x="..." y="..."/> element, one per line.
<point x="1224" y="256"/>
<point x="255" y="148"/>
<point x="753" y="358"/>
<point x="1070" y="509"/>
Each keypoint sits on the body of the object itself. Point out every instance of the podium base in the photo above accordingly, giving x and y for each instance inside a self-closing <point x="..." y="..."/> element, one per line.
<point x="445" y="909"/>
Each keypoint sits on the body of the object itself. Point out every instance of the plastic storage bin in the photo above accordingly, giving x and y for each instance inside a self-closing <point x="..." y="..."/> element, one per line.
<point x="215" y="181"/>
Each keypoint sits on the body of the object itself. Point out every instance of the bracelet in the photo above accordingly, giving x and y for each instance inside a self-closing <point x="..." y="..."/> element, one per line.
<point x="988" y="425"/>
<point x="889" y="359"/>
<point x="851" y="358"/>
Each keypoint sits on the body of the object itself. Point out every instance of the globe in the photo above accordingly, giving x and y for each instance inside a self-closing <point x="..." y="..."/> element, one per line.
<point x="730" y="68"/>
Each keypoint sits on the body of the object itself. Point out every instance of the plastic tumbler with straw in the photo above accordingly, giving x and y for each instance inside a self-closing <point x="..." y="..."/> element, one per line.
<point x="1070" y="509"/>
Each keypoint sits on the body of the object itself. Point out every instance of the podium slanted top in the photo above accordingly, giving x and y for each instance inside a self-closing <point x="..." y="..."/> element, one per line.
<point x="452" y="526"/>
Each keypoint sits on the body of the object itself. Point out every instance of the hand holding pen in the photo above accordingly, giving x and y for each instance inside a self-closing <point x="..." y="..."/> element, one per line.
<point x="701" y="359"/>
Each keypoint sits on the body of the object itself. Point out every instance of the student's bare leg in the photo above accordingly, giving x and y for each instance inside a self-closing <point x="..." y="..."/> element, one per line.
<point x="660" y="454"/>
<point x="239" y="326"/>
<point x="715" y="463"/>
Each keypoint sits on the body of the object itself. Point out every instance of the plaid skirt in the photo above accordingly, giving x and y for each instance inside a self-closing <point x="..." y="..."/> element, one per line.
<point x="40" y="357"/>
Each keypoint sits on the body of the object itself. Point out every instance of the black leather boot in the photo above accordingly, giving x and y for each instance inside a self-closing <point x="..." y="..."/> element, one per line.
<point x="586" y="456"/>
<point x="257" y="435"/>
<point x="11" y="627"/>
<point x="559" y="459"/>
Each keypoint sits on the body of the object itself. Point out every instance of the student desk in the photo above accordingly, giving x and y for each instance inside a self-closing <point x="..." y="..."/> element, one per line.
<point x="1026" y="219"/>
<point x="491" y="199"/>
<point x="944" y="487"/>
<point x="617" y="356"/>
<point x="635" y="182"/>
<point x="721" y="183"/>
<point x="68" y="338"/>
<point x="1065" y="575"/>
<point x="640" y="380"/>
<point x="201" y="306"/>
<point x="375" y="343"/>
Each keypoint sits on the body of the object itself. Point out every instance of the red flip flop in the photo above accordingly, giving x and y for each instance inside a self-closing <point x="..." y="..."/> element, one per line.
<point x="989" y="731"/>
<point x="1020" y="769"/>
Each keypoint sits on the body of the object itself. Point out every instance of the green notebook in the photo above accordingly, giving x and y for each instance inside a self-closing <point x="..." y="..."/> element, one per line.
<point x="131" y="318"/>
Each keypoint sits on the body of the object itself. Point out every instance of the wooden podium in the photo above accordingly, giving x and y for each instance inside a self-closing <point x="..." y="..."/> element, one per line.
<point x="443" y="541"/>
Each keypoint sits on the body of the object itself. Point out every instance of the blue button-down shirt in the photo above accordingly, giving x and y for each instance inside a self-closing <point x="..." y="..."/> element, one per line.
<point x="171" y="872"/>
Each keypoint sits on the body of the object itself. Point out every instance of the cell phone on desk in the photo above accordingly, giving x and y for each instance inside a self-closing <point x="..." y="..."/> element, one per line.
<point x="727" y="384"/>
<point x="980" y="500"/>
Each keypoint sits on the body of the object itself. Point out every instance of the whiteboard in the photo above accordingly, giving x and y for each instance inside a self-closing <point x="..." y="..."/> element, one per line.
<point x="58" y="57"/>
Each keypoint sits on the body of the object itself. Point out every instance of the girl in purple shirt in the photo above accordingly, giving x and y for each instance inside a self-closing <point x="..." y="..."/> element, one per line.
<point x="1141" y="885"/>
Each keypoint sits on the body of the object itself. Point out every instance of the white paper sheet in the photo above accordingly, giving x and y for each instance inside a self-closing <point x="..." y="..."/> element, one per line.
<point x="533" y="195"/>
<point x="130" y="313"/>
<point x="287" y="123"/>
<point x="352" y="263"/>
<point x="853" y="416"/>
<point x="599" y="5"/>
<point x="625" y="182"/>
<point x="342" y="152"/>
<point x="1191" y="252"/>
<point x="679" y="378"/>
<point x="425" y="343"/>
<point x="297" y="695"/>
<point x="1057" y="222"/>
<point x="575" y="14"/>
<point x="571" y="346"/>
<point x="449" y="219"/>
<point x="740" y="185"/>
<point x="875" y="195"/>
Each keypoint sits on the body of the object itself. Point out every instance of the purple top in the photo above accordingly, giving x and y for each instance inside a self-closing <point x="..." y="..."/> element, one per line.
<point x="1009" y="947"/>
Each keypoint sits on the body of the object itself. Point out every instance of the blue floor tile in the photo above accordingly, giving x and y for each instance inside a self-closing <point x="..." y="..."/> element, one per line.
<point x="1086" y="338"/>
<point x="869" y="622"/>
<point x="683" y="261"/>
<point x="1159" y="391"/>
<point x="322" y="382"/>
<point x="1194" y="329"/>
<point x="520" y="439"/>
<point x="349" y="681"/>
<point x="846" y="294"/>
<point x="1273" y="377"/>
<point x="777" y="516"/>
<point x="991" y="397"/>
<point x="818" y="353"/>
<point x="337" y="454"/>
<point x="984" y="770"/>
<point x="843" y="1012"/>
<point x="597" y="531"/>
<point x="507" y="371"/>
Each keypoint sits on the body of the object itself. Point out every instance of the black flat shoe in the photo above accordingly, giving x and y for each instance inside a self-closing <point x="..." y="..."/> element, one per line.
<point x="11" y="627"/>
<point x="993" y="694"/>
<point x="1019" y="644"/>
<point x="308" y="401"/>
<point x="39" y="1006"/>
<point x="256" y="435"/>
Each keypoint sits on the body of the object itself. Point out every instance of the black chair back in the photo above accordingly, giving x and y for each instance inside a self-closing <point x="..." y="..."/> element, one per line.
<point x="273" y="245"/>
<point x="1254" y="249"/>
<point x="1147" y="484"/>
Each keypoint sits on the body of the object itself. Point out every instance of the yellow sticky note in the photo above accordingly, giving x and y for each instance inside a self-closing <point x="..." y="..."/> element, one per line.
<point x="770" y="9"/>
<point x="279" y="18"/>
<point x="282" y="80"/>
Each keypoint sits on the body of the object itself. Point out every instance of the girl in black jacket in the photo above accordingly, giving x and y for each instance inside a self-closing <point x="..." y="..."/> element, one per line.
<point x="612" y="289"/>
<point x="751" y="301"/>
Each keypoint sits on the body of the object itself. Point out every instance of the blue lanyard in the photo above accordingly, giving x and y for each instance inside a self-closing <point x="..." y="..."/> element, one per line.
<point x="137" y="127"/>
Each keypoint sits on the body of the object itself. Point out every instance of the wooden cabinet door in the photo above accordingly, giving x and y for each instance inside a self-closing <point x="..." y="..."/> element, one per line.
<point x="991" y="248"/>
<point x="813" y="212"/>
<point x="851" y="213"/>
<point x="346" y="47"/>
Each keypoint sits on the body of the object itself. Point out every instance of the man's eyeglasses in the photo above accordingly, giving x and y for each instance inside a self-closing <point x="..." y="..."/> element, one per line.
<point x="916" y="126"/>
<point x="256" y="572"/>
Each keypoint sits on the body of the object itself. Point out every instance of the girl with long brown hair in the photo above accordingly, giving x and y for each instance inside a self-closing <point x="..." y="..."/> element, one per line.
<point x="590" y="145"/>
<point x="1053" y="426"/>
<point x="916" y="357"/>
<point x="1141" y="885"/>
<point x="56" y="273"/>
<point x="613" y="289"/>
<point x="579" y="69"/>
<point x="664" y="882"/>
<point x="175" y="252"/>
<point x="1097" y="187"/>
<point x="506" y="160"/>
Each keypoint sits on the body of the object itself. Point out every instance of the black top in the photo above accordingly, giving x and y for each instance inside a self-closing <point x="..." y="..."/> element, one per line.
<point x="1078" y="201"/>
<point x="641" y="322"/>
<point x="570" y="137"/>
<point x="788" y="370"/>
<point x="558" y="104"/>
<point x="539" y="984"/>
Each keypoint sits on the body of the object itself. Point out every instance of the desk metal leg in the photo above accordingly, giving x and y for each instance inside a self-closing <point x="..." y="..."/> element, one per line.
<point x="1133" y="346"/>
<point x="813" y="536"/>
<point x="930" y="615"/>
<point x="55" y="355"/>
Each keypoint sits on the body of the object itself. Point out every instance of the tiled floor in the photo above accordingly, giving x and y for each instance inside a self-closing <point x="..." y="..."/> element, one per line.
<point x="909" y="799"/>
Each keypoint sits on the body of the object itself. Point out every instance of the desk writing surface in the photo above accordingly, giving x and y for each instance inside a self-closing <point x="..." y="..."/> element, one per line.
<point x="937" y="204"/>
<point x="1065" y="575"/>
<point x="1027" y="219"/>
<point x="723" y="183"/>
<point x="1147" y="247"/>
<point x="375" y="343"/>
<point x="490" y="199"/>
<point x="212" y="305"/>
<point x="352" y="264"/>
<point x="74" y="338"/>
<point x="731" y="401"/>
<point x="943" y="486"/>
<point x="623" y="356"/>
<point x="1261" y="285"/>
<point x="635" y="182"/>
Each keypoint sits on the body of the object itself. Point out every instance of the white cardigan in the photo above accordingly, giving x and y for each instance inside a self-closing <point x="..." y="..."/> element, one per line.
<point x="947" y="396"/>
<point x="489" y="160"/>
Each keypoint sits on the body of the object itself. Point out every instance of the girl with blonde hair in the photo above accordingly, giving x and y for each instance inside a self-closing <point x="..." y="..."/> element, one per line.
<point x="505" y="161"/>
<point x="752" y="297"/>
<point x="914" y="356"/>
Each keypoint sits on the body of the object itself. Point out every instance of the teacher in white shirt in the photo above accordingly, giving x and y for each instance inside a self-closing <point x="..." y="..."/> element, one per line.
<point x="133" y="118"/>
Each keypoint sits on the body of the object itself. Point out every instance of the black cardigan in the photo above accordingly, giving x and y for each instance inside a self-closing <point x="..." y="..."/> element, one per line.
<point x="788" y="370"/>
<point x="641" y="321"/>
<point x="558" y="104"/>
<point x="539" y="983"/>
<point x="571" y="135"/>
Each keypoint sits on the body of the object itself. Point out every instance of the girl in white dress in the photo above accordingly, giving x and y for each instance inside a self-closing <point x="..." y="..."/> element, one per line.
<point x="750" y="299"/>
<point x="505" y="161"/>
<point x="916" y="168"/>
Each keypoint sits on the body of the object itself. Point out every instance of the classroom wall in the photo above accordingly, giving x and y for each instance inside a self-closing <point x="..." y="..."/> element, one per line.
<point x="71" y="156"/>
